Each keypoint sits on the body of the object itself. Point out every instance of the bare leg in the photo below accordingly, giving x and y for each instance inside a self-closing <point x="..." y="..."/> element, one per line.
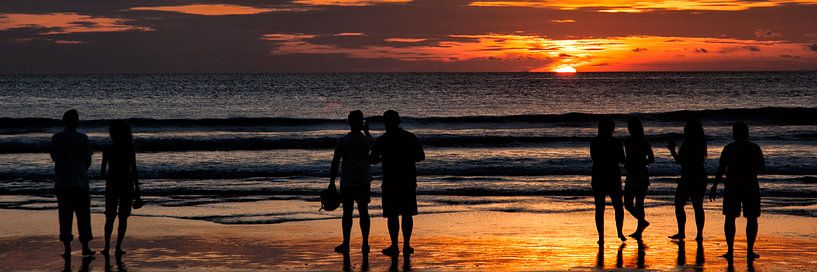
<point x="619" y="208"/>
<point x="700" y="216"/>
<point x="680" y="217"/>
<point x="394" y="231"/>
<point x="599" y="202"/>
<point x="629" y="201"/>
<point x="751" y="236"/>
<point x="346" y="222"/>
<point x="729" y="230"/>
<point x="120" y="234"/>
<point x="408" y="226"/>
<point x="346" y="226"/>
<point x="363" y="210"/>
<point x="639" y="207"/>
<point x="109" y="220"/>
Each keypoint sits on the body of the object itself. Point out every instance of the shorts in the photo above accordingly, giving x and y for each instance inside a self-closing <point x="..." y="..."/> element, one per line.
<point x="685" y="191"/>
<point x="118" y="204"/>
<point x="355" y="193"/>
<point x="399" y="202"/>
<point x="737" y="197"/>
<point x="637" y="184"/>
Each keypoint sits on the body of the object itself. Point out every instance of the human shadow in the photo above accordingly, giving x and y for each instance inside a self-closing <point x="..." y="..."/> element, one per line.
<point x="395" y="262"/>
<point x="347" y="262"/>
<point x="642" y="252"/>
<point x="682" y="254"/>
<point x="120" y="266"/>
<point x="619" y="256"/>
<point x="86" y="263"/>
<point x="600" y="256"/>
<point x="699" y="257"/>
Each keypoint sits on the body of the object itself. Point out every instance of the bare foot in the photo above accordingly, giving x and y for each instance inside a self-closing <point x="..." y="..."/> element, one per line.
<point x="751" y="255"/>
<point x="678" y="236"/>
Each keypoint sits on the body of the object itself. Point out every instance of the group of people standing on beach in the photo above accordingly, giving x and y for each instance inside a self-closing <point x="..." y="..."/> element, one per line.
<point x="399" y="150"/>
<point x="71" y="153"/>
<point x="740" y="160"/>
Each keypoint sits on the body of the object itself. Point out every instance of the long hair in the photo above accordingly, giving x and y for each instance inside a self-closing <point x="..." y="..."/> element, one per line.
<point x="636" y="129"/>
<point x="694" y="137"/>
<point x="121" y="136"/>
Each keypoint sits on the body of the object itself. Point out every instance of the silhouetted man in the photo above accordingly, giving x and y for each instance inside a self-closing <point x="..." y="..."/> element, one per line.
<point x="607" y="152"/>
<point x="71" y="153"/>
<point x="352" y="153"/>
<point x="741" y="160"/>
<point x="399" y="150"/>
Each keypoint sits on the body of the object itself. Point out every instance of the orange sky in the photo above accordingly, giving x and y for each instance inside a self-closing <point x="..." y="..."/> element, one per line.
<point x="405" y="35"/>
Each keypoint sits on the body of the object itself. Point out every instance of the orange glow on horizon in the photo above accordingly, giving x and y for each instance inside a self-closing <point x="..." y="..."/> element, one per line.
<point x="566" y="69"/>
<point x="505" y="52"/>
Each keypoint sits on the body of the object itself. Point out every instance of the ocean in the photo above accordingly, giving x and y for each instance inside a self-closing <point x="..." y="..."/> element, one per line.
<point x="256" y="149"/>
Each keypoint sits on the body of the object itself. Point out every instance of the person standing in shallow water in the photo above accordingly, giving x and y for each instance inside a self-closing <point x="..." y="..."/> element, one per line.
<point x="741" y="160"/>
<point x="692" y="185"/>
<point x="639" y="154"/>
<point x="71" y="154"/>
<point x="606" y="153"/>
<point x="399" y="151"/>
<point x="121" y="182"/>
<point x="352" y="151"/>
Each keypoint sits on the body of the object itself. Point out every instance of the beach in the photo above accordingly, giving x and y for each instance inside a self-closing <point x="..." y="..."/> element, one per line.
<point x="456" y="241"/>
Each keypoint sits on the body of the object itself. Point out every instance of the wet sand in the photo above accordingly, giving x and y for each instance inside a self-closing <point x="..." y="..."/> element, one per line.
<point x="486" y="241"/>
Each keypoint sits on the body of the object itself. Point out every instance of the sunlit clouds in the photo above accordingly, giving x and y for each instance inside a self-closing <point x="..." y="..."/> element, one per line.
<point x="641" y="6"/>
<point x="63" y="23"/>
<point x="347" y="2"/>
<point x="630" y="53"/>
<point x="213" y="9"/>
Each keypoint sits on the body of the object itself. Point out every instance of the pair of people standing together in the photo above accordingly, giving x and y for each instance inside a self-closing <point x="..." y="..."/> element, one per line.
<point x="740" y="160"/>
<point x="398" y="150"/>
<point x="71" y="153"/>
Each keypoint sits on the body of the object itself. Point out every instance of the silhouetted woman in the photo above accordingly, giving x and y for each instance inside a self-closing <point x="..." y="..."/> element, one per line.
<point x="639" y="155"/>
<point x="121" y="186"/>
<point x="606" y="153"/>
<point x="691" y="156"/>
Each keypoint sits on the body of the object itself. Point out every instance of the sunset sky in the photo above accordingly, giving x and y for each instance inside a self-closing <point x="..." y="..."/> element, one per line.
<point x="404" y="35"/>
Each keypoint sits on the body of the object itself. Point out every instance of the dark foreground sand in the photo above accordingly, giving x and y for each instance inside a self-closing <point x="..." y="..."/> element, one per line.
<point x="486" y="241"/>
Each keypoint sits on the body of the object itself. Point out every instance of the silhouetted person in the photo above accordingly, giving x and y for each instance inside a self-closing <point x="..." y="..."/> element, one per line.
<point x="352" y="154"/>
<point x="606" y="153"/>
<point x="639" y="154"/>
<point x="398" y="150"/>
<point x="71" y="153"/>
<point x="121" y="182"/>
<point x="741" y="160"/>
<point x="692" y="185"/>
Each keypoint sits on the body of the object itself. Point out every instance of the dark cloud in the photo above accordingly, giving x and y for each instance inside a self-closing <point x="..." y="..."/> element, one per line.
<point x="701" y="50"/>
<point x="813" y="47"/>
<point x="639" y="49"/>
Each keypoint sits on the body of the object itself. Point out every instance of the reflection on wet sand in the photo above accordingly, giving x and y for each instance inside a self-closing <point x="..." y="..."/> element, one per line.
<point x="456" y="241"/>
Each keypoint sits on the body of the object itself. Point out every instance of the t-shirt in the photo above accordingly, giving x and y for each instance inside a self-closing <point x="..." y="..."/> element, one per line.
<point x="71" y="154"/>
<point x="399" y="151"/>
<point x="743" y="160"/>
<point x="606" y="153"/>
<point x="353" y="151"/>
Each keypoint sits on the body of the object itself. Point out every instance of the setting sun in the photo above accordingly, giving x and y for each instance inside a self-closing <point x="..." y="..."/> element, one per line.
<point x="565" y="69"/>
